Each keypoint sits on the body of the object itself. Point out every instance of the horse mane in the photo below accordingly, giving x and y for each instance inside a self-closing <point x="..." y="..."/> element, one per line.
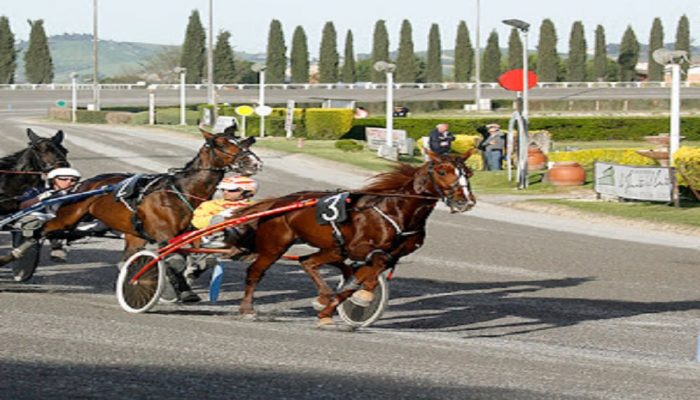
<point x="9" y="162"/>
<point x="401" y="176"/>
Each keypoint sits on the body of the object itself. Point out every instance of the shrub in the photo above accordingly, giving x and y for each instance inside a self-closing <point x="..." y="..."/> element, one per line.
<point x="60" y="113"/>
<point x="587" y="157"/>
<point x="91" y="117"/>
<point x="349" y="145"/>
<point x="462" y="143"/>
<point x="687" y="160"/>
<point x="114" y="117"/>
<point x="328" y="123"/>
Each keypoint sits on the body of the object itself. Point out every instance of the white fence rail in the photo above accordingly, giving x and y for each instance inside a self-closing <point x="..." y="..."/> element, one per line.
<point x="333" y="86"/>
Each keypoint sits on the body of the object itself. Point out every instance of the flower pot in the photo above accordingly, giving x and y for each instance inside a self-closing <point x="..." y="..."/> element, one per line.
<point x="566" y="174"/>
<point x="535" y="159"/>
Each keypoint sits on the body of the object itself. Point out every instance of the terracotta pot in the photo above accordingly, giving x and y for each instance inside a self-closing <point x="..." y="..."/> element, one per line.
<point x="566" y="174"/>
<point x="535" y="159"/>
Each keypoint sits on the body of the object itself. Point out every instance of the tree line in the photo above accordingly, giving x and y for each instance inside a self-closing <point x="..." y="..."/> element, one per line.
<point x="296" y="68"/>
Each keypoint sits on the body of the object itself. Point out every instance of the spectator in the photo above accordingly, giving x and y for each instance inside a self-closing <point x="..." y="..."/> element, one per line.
<point x="494" y="147"/>
<point x="401" y="111"/>
<point x="441" y="139"/>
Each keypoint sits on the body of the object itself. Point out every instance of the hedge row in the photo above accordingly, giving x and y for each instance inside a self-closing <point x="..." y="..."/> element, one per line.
<point x="561" y="128"/>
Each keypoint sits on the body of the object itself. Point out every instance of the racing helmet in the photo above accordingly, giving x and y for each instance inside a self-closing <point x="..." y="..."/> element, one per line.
<point x="243" y="183"/>
<point x="54" y="173"/>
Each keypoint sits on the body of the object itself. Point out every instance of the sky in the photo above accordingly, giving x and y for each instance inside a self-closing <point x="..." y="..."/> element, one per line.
<point x="164" y="21"/>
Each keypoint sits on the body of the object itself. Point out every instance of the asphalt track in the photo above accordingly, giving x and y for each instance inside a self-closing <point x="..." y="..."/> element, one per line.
<point x="498" y="304"/>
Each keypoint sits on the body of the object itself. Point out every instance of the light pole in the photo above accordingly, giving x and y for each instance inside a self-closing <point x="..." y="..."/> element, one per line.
<point x="74" y="96"/>
<point x="183" y="72"/>
<point x="388" y="148"/>
<point x="478" y="58"/>
<point x="523" y="27"/>
<point x="260" y="69"/>
<point x="95" y="83"/>
<point x="522" y="114"/>
<point x="210" y="58"/>
<point x="674" y="58"/>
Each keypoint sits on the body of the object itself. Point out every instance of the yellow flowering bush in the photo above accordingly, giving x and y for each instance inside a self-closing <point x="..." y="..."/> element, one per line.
<point x="587" y="157"/>
<point x="687" y="161"/>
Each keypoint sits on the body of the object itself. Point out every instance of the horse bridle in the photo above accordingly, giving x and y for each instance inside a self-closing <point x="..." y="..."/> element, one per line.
<point x="462" y="182"/>
<point x="242" y="153"/>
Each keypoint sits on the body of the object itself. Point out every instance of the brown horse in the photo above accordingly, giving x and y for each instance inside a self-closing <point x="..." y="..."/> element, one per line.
<point x="165" y="209"/>
<point x="385" y="221"/>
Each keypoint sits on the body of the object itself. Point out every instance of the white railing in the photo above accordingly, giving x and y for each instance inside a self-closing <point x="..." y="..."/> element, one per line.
<point x="334" y="86"/>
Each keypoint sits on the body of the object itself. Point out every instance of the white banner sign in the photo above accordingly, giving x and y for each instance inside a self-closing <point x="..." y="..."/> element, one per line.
<point x="638" y="183"/>
<point x="377" y="137"/>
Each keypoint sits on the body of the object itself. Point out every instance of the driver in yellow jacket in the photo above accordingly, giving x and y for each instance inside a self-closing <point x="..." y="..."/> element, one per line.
<point x="237" y="192"/>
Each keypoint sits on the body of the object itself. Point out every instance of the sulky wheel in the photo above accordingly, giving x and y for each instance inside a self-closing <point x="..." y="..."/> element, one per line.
<point x="365" y="316"/>
<point x="24" y="267"/>
<point x="141" y="295"/>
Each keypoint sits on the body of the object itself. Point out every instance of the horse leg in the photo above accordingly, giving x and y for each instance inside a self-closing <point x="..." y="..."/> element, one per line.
<point x="311" y="263"/>
<point x="254" y="274"/>
<point x="361" y="276"/>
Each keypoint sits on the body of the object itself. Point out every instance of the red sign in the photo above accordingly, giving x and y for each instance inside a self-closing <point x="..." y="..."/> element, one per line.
<point x="513" y="80"/>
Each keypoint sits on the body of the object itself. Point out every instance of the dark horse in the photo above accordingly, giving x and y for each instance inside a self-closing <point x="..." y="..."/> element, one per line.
<point x="385" y="221"/>
<point x="165" y="209"/>
<point x="22" y="170"/>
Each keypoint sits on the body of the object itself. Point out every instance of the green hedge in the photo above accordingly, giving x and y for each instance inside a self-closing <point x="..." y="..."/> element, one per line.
<point x="561" y="128"/>
<point x="328" y="123"/>
<point x="91" y="117"/>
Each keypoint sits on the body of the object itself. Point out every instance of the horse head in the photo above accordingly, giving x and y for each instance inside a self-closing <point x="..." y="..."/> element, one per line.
<point x="46" y="154"/>
<point x="447" y="177"/>
<point x="232" y="152"/>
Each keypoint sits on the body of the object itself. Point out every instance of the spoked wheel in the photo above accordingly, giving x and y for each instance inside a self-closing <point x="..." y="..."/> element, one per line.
<point x="141" y="295"/>
<point x="24" y="267"/>
<point x="355" y="315"/>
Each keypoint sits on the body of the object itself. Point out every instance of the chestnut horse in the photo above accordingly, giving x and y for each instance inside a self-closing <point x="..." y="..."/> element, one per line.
<point x="385" y="221"/>
<point x="22" y="170"/>
<point x="165" y="210"/>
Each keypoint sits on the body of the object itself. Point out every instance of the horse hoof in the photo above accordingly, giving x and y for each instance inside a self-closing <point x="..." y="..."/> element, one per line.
<point x="326" y="323"/>
<point x="317" y="305"/>
<point x="362" y="298"/>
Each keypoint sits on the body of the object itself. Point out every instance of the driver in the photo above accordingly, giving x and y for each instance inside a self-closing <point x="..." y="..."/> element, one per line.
<point x="60" y="181"/>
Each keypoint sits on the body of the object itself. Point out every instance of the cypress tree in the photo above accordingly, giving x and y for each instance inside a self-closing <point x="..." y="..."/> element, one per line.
<point x="348" y="74"/>
<point x="600" y="58"/>
<point x="38" y="65"/>
<point x="8" y="55"/>
<point x="328" y="56"/>
<point x="224" y="66"/>
<point x="683" y="42"/>
<point x="193" y="49"/>
<point x="276" y="60"/>
<point x="464" y="54"/>
<point x="406" y="60"/>
<point x="491" y="65"/>
<point x="433" y="71"/>
<point x="515" y="50"/>
<point x="299" y="57"/>
<point x="577" y="54"/>
<point x="656" y="41"/>
<point x="547" y="57"/>
<point x="629" y="55"/>
<point x="380" y="49"/>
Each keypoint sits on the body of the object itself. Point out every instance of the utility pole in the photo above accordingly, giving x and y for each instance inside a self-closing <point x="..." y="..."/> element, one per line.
<point x="95" y="83"/>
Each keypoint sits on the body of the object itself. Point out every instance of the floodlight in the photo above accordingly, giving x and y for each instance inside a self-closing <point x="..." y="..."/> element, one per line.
<point x="516" y="23"/>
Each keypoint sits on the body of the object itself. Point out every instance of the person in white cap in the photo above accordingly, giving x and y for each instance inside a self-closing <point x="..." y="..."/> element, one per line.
<point x="59" y="182"/>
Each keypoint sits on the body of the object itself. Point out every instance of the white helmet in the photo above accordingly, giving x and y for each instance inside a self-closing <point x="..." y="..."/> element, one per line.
<point x="63" y="172"/>
<point x="243" y="183"/>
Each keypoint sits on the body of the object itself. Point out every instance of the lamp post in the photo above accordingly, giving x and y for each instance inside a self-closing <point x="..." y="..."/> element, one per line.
<point x="74" y="96"/>
<point x="674" y="58"/>
<point x="477" y="56"/>
<point x="183" y="72"/>
<point x="523" y="27"/>
<point x="260" y="69"/>
<point x="95" y="83"/>
<point x="388" y="148"/>
<point x="523" y="139"/>
<point x="210" y="58"/>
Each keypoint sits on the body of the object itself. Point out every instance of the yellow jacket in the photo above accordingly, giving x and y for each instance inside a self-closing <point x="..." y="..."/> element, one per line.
<point x="202" y="215"/>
